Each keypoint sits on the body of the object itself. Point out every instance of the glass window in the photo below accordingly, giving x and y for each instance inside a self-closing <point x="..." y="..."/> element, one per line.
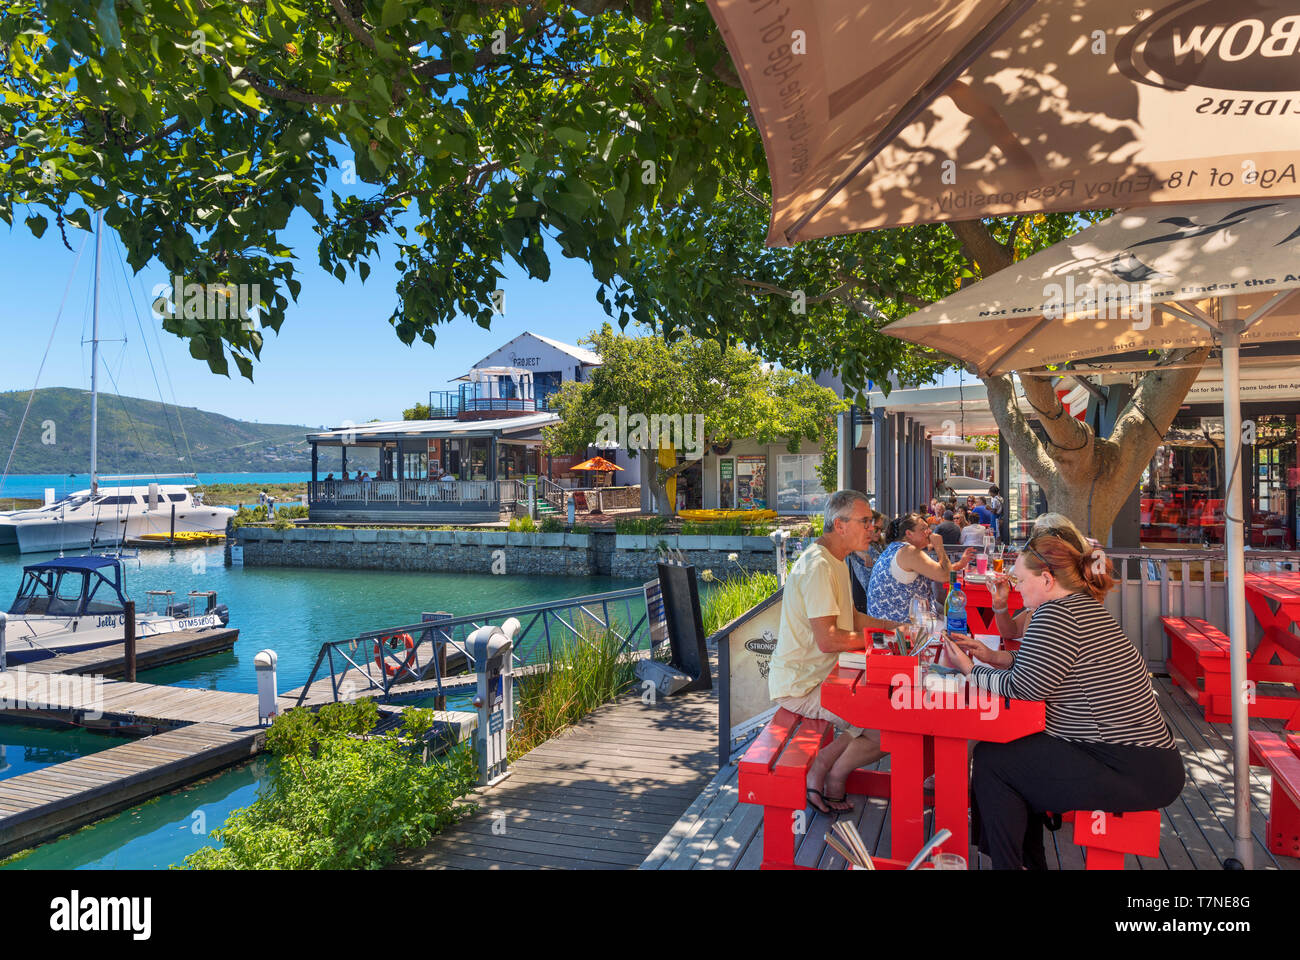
<point x="798" y="489"/>
<point x="414" y="465"/>
<point x="751" y="483"/>
<point x="67" y="595"/>
<point x="727" y="483"/>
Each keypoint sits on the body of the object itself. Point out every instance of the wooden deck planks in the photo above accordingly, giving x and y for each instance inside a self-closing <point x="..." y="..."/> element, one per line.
<point x="1195" y="828"/>
<point x="150" y="652"/>
<point x="598" y="796"/>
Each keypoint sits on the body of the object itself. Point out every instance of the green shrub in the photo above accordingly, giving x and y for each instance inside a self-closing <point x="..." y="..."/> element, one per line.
<point x="552" y="525"/>
<point x="640" y="526"/>
<point x="818" y="525"/>
<point x="340" y="798"/>
<point x="728" y="527"/>
<point x="524" y="524"/>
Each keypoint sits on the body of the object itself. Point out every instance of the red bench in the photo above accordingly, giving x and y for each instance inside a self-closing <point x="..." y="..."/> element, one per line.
<point x="1198" y="662"/>
<point x="1282" y="758"/>
<point x="1106" y="837"/>
<point x="774" y="773"/>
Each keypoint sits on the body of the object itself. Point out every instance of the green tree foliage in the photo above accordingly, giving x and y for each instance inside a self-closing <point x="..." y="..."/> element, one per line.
<point x="730" y="389"/>
<point x="418" y="412"/>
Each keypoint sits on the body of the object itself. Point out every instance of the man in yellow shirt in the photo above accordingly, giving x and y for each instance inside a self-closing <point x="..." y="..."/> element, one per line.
<point x="818" y="621"/>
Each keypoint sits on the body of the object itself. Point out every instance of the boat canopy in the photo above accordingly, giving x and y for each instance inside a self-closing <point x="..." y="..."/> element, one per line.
<point x="71" y="587"/>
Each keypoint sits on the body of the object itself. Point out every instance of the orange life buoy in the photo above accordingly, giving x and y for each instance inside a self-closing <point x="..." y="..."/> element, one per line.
<point x="392" y="641"/>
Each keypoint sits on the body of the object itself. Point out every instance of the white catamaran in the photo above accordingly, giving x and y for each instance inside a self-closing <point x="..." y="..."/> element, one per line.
<point x="76" y="603"/>
<point x="110" y="516"/>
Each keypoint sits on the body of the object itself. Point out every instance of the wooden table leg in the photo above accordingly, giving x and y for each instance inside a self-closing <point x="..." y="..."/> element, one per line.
<point x="952" y="794"/>
<point x="906" y="779"/>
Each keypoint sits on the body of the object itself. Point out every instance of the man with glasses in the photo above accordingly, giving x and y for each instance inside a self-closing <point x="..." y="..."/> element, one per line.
<point x="818" y="622"/>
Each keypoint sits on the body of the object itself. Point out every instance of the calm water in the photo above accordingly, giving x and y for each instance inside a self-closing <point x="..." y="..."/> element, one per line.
<point x="24" y="749"/>
<point x="34" y="484"/>
<point x="287" y="610"/>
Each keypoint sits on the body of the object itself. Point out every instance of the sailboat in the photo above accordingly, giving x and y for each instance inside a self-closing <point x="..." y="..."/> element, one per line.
<point x="109" y="517"/>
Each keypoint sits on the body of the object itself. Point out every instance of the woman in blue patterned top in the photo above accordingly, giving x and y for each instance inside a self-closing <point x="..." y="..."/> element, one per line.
<point x="905" y="570"/>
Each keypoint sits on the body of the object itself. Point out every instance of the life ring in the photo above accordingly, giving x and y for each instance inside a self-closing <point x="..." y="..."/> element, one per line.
<point x="391" y="641"/>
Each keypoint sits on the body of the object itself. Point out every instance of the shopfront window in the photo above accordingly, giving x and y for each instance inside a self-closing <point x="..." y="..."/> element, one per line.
<point x="751" y="483"/>
<point x="1024" y="500"/>
<point x="798" y="488"/>
<point x="415" y="466"/>
<point x="727" y="483"/>
<point x="1182" y="488"/>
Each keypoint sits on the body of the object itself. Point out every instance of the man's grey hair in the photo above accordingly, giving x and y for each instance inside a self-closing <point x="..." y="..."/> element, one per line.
<point x="840" y="505"/>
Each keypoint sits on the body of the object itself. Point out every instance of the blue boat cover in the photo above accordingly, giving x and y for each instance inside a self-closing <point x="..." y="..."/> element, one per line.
<point x="74" y="563"/>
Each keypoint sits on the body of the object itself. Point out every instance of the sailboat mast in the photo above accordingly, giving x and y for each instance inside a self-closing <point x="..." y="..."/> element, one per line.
<point x="94" y="363"/>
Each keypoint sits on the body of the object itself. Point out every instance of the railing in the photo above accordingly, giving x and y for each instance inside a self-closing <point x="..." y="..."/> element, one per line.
<point x="552" y="493"/>
<point x="410" y="491"/>
<point x="447" y="404"/>
<point x="353" y="665"/>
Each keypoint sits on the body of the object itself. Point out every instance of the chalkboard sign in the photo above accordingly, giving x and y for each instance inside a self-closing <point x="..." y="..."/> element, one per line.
<point x="681" y="600"/>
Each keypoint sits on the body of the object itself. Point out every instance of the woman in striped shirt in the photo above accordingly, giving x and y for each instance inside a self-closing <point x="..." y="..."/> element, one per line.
<point x="1106" y="746"/>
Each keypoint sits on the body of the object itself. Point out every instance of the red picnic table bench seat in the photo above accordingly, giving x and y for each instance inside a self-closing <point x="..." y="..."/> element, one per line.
<point x="1198" y="662"/>
<point x="774" y="773"/>
<point x="1282" y="758"/>
<point x="1106" y="837"/>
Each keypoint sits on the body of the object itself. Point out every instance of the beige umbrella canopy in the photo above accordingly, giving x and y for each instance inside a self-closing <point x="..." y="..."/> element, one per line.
<point x="1145" y="279"/>
<point x="1163" y="277"/>
<point x="880" y="113"/>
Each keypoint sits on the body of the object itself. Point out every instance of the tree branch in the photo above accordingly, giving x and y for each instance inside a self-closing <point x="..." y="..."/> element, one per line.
<point x="354" y="28"/>
<point x="1067" y="435"/>
<point x="1015" y="428"/>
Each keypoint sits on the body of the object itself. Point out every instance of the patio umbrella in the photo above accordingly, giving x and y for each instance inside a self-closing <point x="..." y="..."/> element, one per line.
<point x="1163" y="277"/>
<point x="881" y="113"/>
<point x="597" y="463"/>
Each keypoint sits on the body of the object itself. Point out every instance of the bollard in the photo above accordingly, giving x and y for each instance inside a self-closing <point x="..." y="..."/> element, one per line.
<point x="493" y="649"/>
<point x="778" y="538"/>
<point x="572" y="509"/>
<point x="267" y="694"/>
<point x="532" y="500"/>
<point x="128" y="640"/>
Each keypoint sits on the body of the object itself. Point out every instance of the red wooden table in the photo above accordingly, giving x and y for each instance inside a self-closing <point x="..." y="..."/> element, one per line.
<point x="979" y="606"/>
<point x="1275" y="600"/>
<point x="917" y="727"/>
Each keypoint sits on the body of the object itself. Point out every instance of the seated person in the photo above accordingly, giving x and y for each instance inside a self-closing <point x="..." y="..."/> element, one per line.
<point x="973" y="533"/>
<point x="817" y="622"/>
<point x="1056" y="524"/>
<point x="948" y="530"/>
<point x="1106" y="745"/>
<point x="905" y="570"/>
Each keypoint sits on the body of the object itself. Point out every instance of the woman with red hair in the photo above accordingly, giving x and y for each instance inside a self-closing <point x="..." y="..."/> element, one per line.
<point x="1106" y="745"/>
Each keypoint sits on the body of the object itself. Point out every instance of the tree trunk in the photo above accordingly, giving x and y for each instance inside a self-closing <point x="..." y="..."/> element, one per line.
<point x="1086" y="477"/>
<point x="656" y="478"/>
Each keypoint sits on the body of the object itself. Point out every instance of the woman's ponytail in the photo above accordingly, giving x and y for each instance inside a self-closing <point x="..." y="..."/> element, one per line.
<point x="1096" y="573"/>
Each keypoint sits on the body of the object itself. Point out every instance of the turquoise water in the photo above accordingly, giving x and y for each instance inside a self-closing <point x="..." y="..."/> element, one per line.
<point x="24" y="749"/>
<point x="34" y="484"/>
<point x="290" y="611"/>
<point x="156" y="834"/>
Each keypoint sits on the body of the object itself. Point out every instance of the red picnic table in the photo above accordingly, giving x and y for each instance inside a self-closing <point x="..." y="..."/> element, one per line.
<point x="924" y="730"/>
<point x="1275" y="600"/>
<point x="979" y="605"/>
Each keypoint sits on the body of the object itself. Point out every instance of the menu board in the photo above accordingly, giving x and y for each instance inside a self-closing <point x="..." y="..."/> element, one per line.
<point x="751" y="482"/>
<point x="727" y="484"/>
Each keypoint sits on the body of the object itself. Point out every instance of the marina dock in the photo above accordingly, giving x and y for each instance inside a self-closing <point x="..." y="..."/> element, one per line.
<point x="191" y="732"/>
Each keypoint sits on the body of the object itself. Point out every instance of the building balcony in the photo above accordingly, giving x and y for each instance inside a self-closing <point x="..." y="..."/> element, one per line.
<point x="474" y="399"/>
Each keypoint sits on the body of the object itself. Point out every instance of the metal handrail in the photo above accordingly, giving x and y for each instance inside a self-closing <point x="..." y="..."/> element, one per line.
<point x="538" y="620"/>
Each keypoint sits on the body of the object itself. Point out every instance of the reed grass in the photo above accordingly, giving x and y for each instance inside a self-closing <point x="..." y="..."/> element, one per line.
<point x="734" y="595"/>
<point x="585" y="672"/>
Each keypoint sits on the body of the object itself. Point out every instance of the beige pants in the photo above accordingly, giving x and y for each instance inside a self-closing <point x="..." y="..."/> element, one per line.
<point x="810" y="706"/>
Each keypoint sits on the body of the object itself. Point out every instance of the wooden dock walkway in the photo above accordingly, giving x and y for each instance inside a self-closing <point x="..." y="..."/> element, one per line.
<point x="718" y="832"/>
<point x="150" y="652"/>
<point x="193" y="732"/>
<point x="45" y="803"/>
<point x="597" y="797"/>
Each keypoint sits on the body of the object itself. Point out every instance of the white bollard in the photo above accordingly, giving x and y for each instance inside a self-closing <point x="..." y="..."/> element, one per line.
<point x="267" y="692"/>
<point x="778" y="538"/>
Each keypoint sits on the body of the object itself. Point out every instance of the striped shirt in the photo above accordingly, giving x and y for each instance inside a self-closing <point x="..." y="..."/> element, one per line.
<point x="1075" y="657"/>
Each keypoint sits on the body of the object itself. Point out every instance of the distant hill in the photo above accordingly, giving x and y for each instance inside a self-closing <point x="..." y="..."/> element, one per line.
<point x="141" y="436"/>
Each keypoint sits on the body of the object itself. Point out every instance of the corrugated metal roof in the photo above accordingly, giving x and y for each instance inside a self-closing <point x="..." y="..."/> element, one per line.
<point x="401" y="429"/>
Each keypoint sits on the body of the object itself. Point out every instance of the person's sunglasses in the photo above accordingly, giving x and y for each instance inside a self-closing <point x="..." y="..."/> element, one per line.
<point x="1041" y="559"/>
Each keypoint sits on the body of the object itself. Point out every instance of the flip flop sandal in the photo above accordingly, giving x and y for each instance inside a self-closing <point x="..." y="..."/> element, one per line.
<point x="844" y="799"/>
<point x="809" y="792"/>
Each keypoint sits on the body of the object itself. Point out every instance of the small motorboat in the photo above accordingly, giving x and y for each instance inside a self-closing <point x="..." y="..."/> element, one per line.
<point x="77" y="603"/>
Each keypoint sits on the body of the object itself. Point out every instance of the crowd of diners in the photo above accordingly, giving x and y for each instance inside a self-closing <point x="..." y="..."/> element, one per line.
<point x="1106" y="745"/>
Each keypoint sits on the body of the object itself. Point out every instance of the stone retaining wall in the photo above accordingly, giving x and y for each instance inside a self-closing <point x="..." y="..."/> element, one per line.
<point x="497" y="551"/>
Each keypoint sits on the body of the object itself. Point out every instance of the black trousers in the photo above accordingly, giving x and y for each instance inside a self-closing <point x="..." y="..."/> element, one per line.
<point x="1014" y="783"/>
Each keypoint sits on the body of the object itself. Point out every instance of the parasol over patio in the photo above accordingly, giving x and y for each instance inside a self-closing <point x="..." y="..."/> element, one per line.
<point x="597" y="463"/>
<point x="880" y="113"/>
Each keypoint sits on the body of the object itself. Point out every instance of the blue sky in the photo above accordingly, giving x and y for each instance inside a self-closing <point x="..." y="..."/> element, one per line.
<point x="336" y="357"/>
